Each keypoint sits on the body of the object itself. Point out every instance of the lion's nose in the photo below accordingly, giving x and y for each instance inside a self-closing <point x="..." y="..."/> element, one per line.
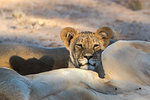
<point x="88" y="56"/>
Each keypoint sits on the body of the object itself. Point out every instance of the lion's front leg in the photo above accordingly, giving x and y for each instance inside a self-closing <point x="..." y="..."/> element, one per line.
<point x="71" y="65"/>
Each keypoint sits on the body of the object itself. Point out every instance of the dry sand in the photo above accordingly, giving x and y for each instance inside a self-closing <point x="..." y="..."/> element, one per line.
<point x="40" y="21"/>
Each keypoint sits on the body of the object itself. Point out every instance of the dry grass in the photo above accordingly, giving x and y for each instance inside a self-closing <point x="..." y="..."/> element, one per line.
<point x="131" y="4"/>
<point x="135" y="5"/>
<point x="18" y="14"/>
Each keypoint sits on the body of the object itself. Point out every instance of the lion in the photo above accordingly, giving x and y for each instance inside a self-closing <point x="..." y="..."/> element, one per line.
<point x="32" y="59"/>
<point x="128" y="60"/>
<point x="66" y="84"/>
<point x="85" y="47"/>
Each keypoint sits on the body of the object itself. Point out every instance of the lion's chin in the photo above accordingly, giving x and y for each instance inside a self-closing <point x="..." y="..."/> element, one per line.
<point x="87" y="67"/>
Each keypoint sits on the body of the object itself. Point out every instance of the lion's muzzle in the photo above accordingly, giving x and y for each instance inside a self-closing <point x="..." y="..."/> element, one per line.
<point x="86" y="63"/>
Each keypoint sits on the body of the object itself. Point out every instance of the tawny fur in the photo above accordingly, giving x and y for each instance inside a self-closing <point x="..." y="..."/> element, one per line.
<point x="66" y="84"/>
<point x="128" y="60"/>
<point x="32" y="59"/>
<point x="126" y="64"/>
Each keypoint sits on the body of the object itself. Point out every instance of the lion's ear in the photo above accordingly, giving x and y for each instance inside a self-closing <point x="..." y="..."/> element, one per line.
<point x="105" y="34"/>
<point x="67" y="34"/>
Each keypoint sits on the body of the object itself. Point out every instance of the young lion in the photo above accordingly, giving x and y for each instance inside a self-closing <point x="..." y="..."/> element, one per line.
<point x="85" y="48"/>
<point x="30" y="59"/>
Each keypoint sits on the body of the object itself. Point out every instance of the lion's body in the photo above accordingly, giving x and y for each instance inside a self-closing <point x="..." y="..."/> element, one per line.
<point x="128" y="61"/>
<point x="29" y="59"/>
<point x="66" y="84"/>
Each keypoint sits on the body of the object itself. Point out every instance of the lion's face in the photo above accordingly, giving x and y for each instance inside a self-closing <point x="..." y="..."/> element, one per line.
<point x="84" y="47"/>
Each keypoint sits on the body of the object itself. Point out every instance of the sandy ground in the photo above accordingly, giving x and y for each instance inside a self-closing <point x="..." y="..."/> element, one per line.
<point x="40" y="21"/>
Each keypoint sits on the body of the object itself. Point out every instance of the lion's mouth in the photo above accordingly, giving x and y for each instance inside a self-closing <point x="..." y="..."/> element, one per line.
<point x="87" y="66"/>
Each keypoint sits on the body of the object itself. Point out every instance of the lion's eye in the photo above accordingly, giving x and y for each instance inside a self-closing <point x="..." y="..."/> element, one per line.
<point x="104" y="38"/>
<point x="79" y="45"/>
<point x="96" y="45"/>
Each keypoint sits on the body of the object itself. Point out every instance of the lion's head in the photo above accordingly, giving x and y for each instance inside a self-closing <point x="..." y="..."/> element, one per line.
<point x="84" y="47"/>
